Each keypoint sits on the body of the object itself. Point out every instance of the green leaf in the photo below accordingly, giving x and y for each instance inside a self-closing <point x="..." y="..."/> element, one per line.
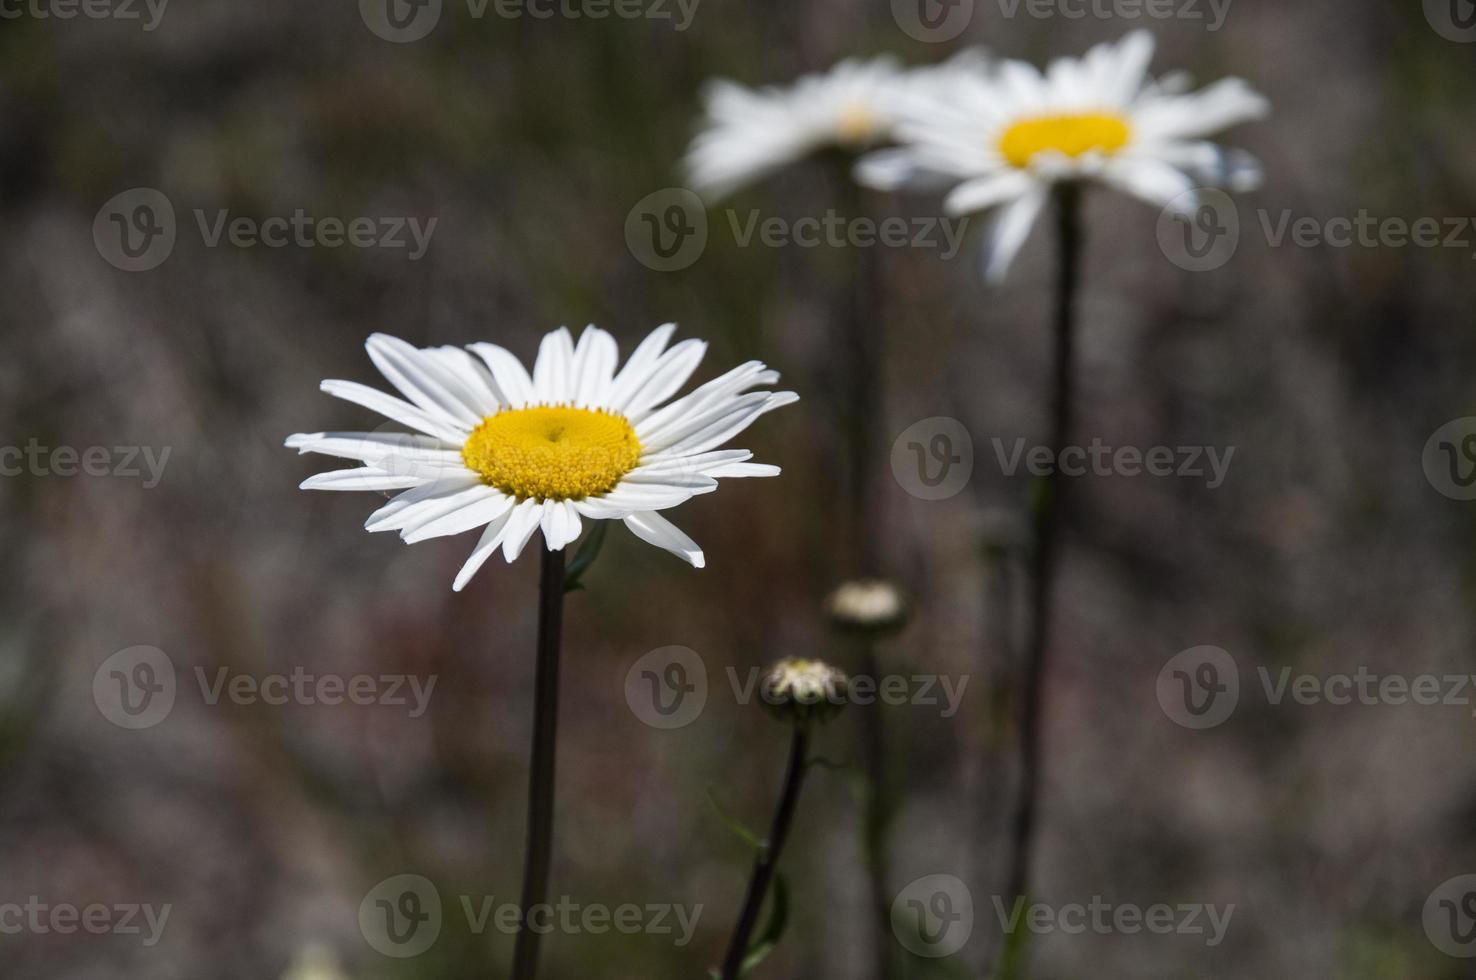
<point x="734" y="824"/>
<point x="773" y="930"/>
<point x="589" y="550"/>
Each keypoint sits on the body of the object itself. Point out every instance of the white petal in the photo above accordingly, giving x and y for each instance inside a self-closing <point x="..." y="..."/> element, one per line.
<point x="361" y="478"/>
<point x="657" y="530"/>
<point x="511" y="376"/>
<point x="491" y="538"/>
<point x="420" y="502"/>
<point x="420" y="378"/>
<point x="637" y="370"/>
<point x="371" y="446"/>
<point x="1009" y="232"/>
<point x="594" y="367"/>
<point x="551" y="372"/>
<point x="671" y="372"/>
<point x="483" y="507"/>
<point x="985" y="192"/>
<point x="520" y="527"/>
<point x="442" y="426"/>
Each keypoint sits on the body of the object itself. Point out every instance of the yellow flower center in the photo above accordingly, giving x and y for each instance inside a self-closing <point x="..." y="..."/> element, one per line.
<point x="856" y="124"/>
<point x="1070" y="135"/>
<point x="552" y="452"/>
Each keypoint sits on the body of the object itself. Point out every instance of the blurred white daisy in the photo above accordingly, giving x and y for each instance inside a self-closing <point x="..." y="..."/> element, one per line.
<point x="1001" y="136"/>
<point x="748" y="133"/>
<point x="496" y="448"/>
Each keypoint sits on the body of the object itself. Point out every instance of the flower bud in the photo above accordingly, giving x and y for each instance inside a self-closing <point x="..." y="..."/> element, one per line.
<point x="870" y="605"/>
<point x="803" y="691"/>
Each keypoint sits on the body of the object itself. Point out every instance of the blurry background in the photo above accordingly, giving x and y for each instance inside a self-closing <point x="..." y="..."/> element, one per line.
<point x="529" y="141"/>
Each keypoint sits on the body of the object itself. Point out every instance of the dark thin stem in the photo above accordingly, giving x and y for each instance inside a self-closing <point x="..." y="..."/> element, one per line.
<point x="768" y="857"/>
<point x="1048" y="518"/>
<point x="863" y="405"/>
<point x="876" y="818"/>
<point x="541" y="773"/>
<point x="862" y="398"/>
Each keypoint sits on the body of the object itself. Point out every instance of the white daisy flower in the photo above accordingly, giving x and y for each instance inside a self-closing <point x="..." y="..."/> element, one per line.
<point x="1001" y="137"/>
<point x="748" y="134"/>
<point x="494" y="447"/>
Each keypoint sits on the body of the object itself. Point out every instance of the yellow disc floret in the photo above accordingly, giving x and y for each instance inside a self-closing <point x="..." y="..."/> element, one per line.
<point x="552" y="452"/>
<point x="856" y="124"/>
<point x="1068" y="134"/>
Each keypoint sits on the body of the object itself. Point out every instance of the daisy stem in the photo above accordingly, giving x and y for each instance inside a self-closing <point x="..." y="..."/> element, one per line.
<point x="1049" y="508"/>
<point x="768" y="855"/>
<point x="864" y="400"/>
<point x="539" y="851"/>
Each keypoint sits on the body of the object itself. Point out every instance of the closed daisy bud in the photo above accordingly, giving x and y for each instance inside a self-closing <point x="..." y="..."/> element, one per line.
<point x="803" y="691"/>
<point x="871" y="604"/>
<point x="314" y="962"/>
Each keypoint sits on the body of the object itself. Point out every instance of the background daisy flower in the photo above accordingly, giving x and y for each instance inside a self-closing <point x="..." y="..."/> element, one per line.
<point x="513" y="453"/>
<point x="1001" y="137"/>
<point x="749" y="133"/>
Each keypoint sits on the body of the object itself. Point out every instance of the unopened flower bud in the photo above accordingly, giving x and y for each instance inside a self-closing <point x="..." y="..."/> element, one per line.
<point x="803" y="691"/>
<point x="872" y="604"/>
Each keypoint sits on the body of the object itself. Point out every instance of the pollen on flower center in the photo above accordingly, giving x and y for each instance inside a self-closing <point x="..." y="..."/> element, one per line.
<point x="1068" y="134"/>
<point x="552" y="452"/>
<point x="856" y="123"/>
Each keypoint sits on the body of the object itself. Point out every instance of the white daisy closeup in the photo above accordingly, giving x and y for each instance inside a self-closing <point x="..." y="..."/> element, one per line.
<point x="1002" y="136"/>
<point x="497" y="448"/>
<point x="748" y="134"/>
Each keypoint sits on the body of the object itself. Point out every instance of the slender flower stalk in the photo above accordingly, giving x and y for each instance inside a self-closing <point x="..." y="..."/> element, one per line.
<point x="539" y="851"/>
<point x="1049" y="514"/>
<point x="768" y="856"/>
<point x="802" y="693"/>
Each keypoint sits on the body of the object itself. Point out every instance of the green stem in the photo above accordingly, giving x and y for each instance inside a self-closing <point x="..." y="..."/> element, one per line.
<point x="1048" y="518"/>
<point x="539" y="852"/>
<point x="768" y="856"/>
